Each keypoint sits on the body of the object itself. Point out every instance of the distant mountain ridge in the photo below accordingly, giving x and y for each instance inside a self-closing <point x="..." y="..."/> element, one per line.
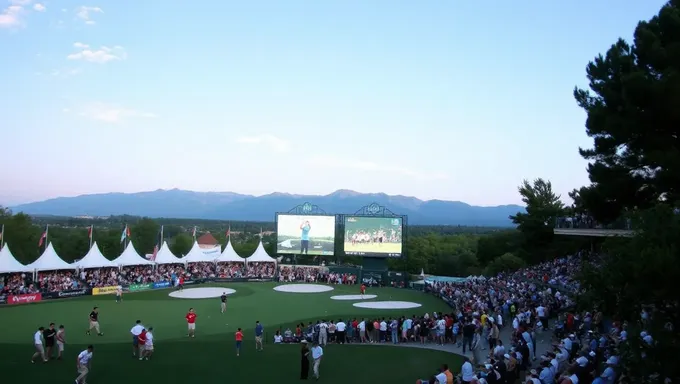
<point x="181" y="204"/>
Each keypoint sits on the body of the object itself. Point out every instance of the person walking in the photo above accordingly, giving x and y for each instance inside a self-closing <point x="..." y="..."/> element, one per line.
<point x="317" y="354"/>
<point x="477" y="347"/>
<point x="304" y="361"/>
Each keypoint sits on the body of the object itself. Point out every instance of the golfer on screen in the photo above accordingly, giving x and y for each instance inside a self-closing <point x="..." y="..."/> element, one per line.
<point x="304" y="237"/>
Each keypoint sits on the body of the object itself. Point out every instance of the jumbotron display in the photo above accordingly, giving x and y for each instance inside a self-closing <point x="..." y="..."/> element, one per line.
<point x="305" y="234"/>
<point x="373" y="236"/>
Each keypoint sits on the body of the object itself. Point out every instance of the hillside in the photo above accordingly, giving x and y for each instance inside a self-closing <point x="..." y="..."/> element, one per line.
<point x="234" y="206"/>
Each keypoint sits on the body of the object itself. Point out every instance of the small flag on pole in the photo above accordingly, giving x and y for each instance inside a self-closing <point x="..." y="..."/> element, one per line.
<point x="2" y="233"/>
<point x="155" y="252"/>
<point x="125" y="233"/>
<point x="194" y="234"/>
<point x="228" y="234"/>
<point x="89" y="234"/>
<point x="260" y="233"/>
<point x="43" y="237"/>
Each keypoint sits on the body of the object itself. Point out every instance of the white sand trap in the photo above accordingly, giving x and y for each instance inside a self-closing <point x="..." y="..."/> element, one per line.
<point x="303" y="288"/>
<point x="387" y="305"/>
<point x="353" y="297"/>
<point x="201" y="293"/>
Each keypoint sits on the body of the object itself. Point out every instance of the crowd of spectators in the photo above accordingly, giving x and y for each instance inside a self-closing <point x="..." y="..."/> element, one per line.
<point x="54" y="281"/>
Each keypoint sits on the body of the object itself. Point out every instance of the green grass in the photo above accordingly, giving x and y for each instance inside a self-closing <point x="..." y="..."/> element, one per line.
<point x="210" y="357"/>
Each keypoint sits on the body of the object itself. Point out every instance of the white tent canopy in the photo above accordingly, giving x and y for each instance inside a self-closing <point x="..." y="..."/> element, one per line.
<point x="131" y="257"/>
<point x="9" y="264"/>
<point x="196" y="255"/>
<point x="50" y="261"/>
<point x="94" y="259"/>
<point x="165" y="256"/>
<point x="260" y="255"/>
<point x="229" y="255"/>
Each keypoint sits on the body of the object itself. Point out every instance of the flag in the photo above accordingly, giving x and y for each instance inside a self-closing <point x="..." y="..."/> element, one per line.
<point x="260" y="233"/>
<point x="2" y="233"/>
<point x="43" y="237"/>
<point x="194" y="234"/>
<point x="228" y="233"/>
<point x="125" y="234"/>
<point x="89" y="232"/>
<point x="155" y="252"/>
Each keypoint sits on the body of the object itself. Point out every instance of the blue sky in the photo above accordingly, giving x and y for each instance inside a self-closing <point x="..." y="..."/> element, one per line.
<point x="455" y="100"/>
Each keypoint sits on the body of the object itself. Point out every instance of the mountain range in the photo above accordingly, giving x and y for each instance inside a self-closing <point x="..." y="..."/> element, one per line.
<point x="176" y="203"/>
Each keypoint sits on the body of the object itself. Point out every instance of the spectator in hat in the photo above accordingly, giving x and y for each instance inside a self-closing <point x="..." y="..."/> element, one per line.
<point x="533" y="377"/>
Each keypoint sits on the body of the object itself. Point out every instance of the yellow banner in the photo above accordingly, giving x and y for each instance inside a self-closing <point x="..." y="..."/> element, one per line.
<point x="105" y="290"/>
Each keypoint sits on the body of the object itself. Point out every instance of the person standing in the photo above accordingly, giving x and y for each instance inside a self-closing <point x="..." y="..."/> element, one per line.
<point x="317" y="354"/>
<point x="304" y="361"/>
<point x="135" y="332"/>
<point x="83" y="364"/>
<point x="323" y="333"/>
<point x="39" y="346"/>
<point x="50" y="337"/>
<point x="119" y="294"/>
<point x="61" y="340"/>
<point x="94" y="322"/>
<point x="259" y="332"/>
<point x="223" y="303"/>
<point x="239" y="340"/>
<point x="340" y="328"/>
<point x="148" y="345"/>
<point x="477" y="347"/>
<point x="191" y="322"/>
<point x="305" y="227"/>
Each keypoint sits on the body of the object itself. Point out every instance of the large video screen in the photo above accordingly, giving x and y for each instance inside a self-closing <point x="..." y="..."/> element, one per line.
<point x="373" y="236"/>
<point x="305" y="234"/>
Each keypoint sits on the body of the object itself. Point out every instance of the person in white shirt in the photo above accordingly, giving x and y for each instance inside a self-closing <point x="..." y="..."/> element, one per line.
<point x="341" y="328"/>
<point x="467" y="372"/>
<point x="278" y="339"/>
<point x="441" y="378"/>
<point x="317" y="354"/>
<point x="383" y="330"/>
<point x="39" y="346"/>
<point x="61" y="340"/>
<point x="362" y="331"/>
<point x="83" y="364"/>
<point x="323" y="333"/>
<point x="148" y="346"/>
<point x="135" y="331"/>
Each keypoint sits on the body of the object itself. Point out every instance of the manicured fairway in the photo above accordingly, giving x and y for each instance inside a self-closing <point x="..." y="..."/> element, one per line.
<point x="210" y="357"/>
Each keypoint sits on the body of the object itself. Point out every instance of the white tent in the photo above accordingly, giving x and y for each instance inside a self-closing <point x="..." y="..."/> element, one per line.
<point x="229" y="255"/>
<point x="9" y="264"/>
<point x="196" y="255"/>
<point x="131" y="257"/>
<point x="50" y="261"/>
<point x="94" y="259"/>
<point x="165" y="256"/>
<point x="260" y="255"/>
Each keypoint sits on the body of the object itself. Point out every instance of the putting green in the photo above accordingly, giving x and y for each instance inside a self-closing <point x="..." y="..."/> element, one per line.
<point x="210" y="357"/>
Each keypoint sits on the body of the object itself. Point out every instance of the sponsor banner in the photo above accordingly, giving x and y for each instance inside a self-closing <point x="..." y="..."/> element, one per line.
<point x="215" y="251"/>
<point x="161" y="284"/>
<point x="236" y="280"/>
<point x="140" y="287"/>
<point x="3" y="299"/>
<point x="259" y="280"/>
<point x="24" y="299"/>
<point x="110" y="290"/>
<point x="190" y="282"/>
<point x="65" y="294"/>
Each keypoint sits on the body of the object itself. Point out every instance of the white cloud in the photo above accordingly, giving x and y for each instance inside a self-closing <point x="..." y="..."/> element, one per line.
<point x="10" y="17"/>
<point x="100" y="56"/>
<point x="65" y="72"/>
<point x="20" y="2"/>
<point x="39" y="7"/>
<point x="270" y="141"/>
<point x="85" y="13"/>
<point x="351" y="163"/>
<point x="110" y="113"/>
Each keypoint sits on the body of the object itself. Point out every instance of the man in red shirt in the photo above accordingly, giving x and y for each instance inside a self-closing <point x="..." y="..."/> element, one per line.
<point x="239" y="340"/>
<point x="141" y="341"/>
<point x="180" y="286"/>
<point x="363" y="290"/>
<point x="191" y="322"/>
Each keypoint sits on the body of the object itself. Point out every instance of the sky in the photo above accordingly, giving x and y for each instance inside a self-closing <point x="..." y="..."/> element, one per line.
<point x="452" y="100"/>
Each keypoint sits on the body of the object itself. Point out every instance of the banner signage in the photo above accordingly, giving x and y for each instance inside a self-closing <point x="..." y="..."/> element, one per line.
<point x="140" y="287"/>
<point x="215" y="251"/>
<point x="66" y="294"/>
<point x="110" y="290"/>
<point x="161" y="284"/>
<point x="189" y="282"/>
<point x="3" y="299"/>
<point x="24" y="299"/>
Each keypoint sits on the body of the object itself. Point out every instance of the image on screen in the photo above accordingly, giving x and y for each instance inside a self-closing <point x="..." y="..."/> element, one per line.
<point x="373" y="236"/>
<point x="305" y="235"/>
